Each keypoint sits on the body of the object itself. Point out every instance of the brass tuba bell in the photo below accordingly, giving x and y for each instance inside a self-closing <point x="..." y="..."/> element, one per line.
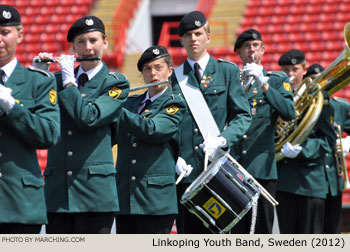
<point x="308" y="99"/>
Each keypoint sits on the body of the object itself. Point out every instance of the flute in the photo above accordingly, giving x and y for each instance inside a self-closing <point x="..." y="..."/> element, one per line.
<point x="149" y="85"/>
<point x="76" y="59"/>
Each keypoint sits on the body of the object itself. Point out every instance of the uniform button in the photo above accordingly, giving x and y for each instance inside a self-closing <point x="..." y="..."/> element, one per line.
<point x="327" y="154"/>
<point x="260" y="101"/>
<point x="22" y="105"/>
<point x="214" y="91"/>
<point x="201" y="146"/>
<point x="134" y="145"/>
<point x="195" y="130"/>
<point x="195" y="147"/>
<point x="244" y="152"/>
<point x="89" y="103"/>
<point x="0" y="154"/>
<point x="244" y="136"/>
<point x="133" y="161"/>
<point x="0" y="175"/>
<point x="70" y="132"/>
<point x="327" y="166"/>
<point x="70" y="153"/>
<point x="69" y="173"/>
<point x="133" y="178"/>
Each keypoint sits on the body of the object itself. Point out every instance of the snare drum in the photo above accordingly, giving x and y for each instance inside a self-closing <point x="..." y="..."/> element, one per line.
<point x="220" y="196"/>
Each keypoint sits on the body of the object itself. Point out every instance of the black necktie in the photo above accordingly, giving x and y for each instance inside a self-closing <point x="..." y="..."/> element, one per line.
<point x="82" y="79"/>
<point x="147" y="103"/>
<point x="2" y="73"/>
<point x="197" y="73"/>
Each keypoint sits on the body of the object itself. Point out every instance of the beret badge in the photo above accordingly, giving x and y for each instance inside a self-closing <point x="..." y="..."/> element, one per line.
<point x="89" y="22"/>
<point x="156" y="51"/>
<point x="6" y="14"/>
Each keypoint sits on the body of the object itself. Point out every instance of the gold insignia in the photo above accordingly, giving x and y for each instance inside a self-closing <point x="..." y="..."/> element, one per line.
<point x="147" y="111"/>
<point x="331" y="119"/>
<point x="115" y="92"/>
<point x="53" y="96"/>
<point x="287" y="86"/>
<point x="172" y="109"/>
<point x="83" y="95"/>
<point x="255" y="91"/>
<point x="214" y="208"/>
<point x="17" y="101"/>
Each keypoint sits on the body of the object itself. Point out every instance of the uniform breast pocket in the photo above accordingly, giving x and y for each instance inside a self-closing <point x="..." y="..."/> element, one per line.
<point x="27" y="103"/>
<point x="260" y="108"/>
<point x="215" y="97"/>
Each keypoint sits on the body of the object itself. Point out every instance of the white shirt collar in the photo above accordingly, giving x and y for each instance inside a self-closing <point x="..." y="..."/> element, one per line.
<point x="203" y="62"/>
<point x="91" y="73"/>
<point x="9" y="68"/>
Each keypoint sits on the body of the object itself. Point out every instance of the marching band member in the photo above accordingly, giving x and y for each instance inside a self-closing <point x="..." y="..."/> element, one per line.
<point x="29" y="120"/>
<point x="333" y="203"/>
<point x="269" y="96"/>
<point x="302" y="185"/>
<point x="218" y="82"/>
<point x="148" y="147"/>
<point x="80" y="184"/>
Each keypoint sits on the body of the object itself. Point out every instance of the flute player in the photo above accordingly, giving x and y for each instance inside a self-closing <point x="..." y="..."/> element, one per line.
<point x="80" y="187"/>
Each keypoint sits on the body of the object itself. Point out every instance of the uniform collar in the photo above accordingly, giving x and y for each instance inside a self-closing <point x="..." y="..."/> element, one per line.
<point x="91" y="73"/>
<point x="9" y="68"/>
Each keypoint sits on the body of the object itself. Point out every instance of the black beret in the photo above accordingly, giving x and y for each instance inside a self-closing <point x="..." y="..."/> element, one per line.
<point x="151" y="54"/>
<point x="84" y="25"/>
<point x="9" y="16"/>
<point x="191" y="21"/>
<point x="292" y="57"/>
<point x="314" y="69"/>
<point x="247" y="35"/>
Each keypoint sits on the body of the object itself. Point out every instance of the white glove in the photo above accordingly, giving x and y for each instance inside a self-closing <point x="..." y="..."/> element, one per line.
<point x="345" y="143"/>
<point x="67" y="69"/>
<point x="212" y="144"/>
<point x="42" y="65"/>
<point x="291" y="151"/>
<point x="6" y="100"/>
<point x="182" y="166"/>
<point x="253" y="69"/>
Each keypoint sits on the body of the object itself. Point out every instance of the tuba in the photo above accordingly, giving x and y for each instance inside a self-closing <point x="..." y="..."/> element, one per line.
<point x="308" y="99"/>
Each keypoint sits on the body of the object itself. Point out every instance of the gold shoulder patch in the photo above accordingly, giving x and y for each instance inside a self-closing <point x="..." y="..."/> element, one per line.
<point x="287" y="86"/>
<point x="53" y="96"/>
<point x="115" y="92"/>
<point x="172" y="109"/>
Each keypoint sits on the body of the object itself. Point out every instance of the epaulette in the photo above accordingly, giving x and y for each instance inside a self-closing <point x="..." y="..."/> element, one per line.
<point x="227" y="61"/>
<point x="34" y="69"/>
<point x="276" y="73"/>
<point x="115" y="75"/>
<point x="339" y="99"/>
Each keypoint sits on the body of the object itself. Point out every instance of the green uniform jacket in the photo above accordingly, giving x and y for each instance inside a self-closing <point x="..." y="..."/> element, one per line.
<point x="80" y="173"/>
<point x="256" y="151"/>
<point x="342" y="118"/>
<point x="33" y="123"/>
<point x="148" y="146"/>
<point x="227" y="103"/>
<point x="305" y="174"/>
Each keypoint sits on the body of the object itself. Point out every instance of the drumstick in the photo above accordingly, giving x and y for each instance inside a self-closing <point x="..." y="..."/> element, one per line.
<point x="180" y="177"/>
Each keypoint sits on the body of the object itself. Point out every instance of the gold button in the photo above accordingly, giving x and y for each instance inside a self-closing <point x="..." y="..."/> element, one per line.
<point x="133" y="178"/>
<point x="244" y="152"/>
<point x="70" y="153"/>
<point x="134" y="145"/>
<point x="69" y="173"/>
<point x="327" y="166"/>
<point x="195" y="130"/>
<point x="133" y="161"/>
<point x="244" y="136"/>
